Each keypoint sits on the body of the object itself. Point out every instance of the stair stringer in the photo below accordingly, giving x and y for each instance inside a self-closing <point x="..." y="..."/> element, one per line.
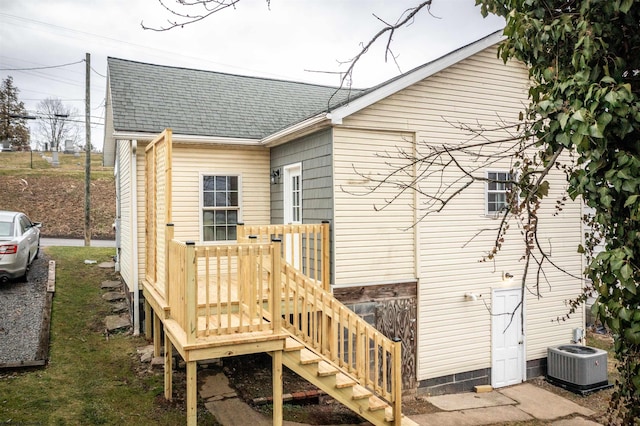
<point x="340" y="385"/>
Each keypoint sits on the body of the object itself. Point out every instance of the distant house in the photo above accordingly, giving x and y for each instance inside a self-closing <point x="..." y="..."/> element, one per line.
<point x="294" y="153"/>
<point x="5" y="146"/>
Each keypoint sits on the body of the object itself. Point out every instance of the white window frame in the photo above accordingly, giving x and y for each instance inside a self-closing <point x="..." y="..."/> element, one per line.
<point x="288" y="171"/>
<point x="202" y="208"/>
<point x="488" y="191"/>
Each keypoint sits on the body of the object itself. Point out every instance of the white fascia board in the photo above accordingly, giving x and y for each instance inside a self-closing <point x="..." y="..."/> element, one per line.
<point x="178" y="138"/>
<point x="413" y="77"/>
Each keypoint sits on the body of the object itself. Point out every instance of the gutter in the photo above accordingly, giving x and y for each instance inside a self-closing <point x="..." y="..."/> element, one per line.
<point x="145" y="136"/>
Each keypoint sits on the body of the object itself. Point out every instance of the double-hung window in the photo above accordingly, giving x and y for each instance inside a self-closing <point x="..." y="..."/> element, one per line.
<point x="220" y="207"/>
<point x="498" y="187"/>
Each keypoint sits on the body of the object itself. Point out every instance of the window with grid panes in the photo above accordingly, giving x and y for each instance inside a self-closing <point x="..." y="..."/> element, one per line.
<point x="220" y="207"/>
<point x="498" y="186"/>
<point x="296" y="202"/>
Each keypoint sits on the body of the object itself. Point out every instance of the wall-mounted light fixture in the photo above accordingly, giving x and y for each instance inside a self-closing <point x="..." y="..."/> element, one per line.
<point x="472" y="296"/>
<point x="506" y="276"/>
<point x="275" y="176"/>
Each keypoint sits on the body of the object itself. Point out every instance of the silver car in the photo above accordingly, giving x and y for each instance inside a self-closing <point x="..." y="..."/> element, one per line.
<point x="19" y="244"/>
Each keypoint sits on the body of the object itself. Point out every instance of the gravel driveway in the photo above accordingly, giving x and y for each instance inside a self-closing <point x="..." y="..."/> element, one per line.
<point x="22" y="307"/>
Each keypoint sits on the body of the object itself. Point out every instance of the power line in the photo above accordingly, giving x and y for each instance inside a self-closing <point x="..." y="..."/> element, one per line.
<point x="39" y="99"/>
<point x="93" y="69"/>
<point x="42" y="68"/>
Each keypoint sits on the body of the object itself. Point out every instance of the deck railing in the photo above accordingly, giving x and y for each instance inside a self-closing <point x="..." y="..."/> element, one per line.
<point x="251" y="287"/>
<point x="223" y="290"/>
<point x="306" y="247"/>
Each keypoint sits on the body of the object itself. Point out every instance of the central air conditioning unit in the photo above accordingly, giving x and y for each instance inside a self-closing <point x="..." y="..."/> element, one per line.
<point x="580" y="369"/>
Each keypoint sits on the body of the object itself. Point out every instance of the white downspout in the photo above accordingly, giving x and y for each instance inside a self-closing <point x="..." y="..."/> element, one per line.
<point x="134" y="228"/>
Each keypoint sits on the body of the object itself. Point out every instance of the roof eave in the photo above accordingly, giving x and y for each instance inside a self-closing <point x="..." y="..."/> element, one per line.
<point x="397" y="84"/>
<point x="302" y="128"/>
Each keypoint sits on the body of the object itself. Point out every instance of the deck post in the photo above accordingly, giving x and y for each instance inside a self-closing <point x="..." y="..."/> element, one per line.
<point x="251" y="283"/>
<point x="148" y="319"/>
<point x="157" y="333"/>
<point x="276" y="291"/>
<point x="192" y="393"/>
<point x="326" y="256"/>
<point x="168" y="368"/>
<point x="277" y="387"/>
<point x="168" y="236"/>
<point x="240" y="232"/>
<point x="396" y="384"/>
<point x="192" y="292"/>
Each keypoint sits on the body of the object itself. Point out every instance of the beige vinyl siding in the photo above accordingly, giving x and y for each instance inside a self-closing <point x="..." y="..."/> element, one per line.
<point x="561" y="235"/>
<point x="127" y="221"/>
<point x="452" y="266"/>
<point x="370" y="246"/>
<point x="190" y="162"/>
<point x="454" y="334"/>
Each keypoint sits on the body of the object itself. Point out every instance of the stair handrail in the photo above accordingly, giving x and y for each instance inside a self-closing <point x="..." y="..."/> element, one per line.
<point x="326" y="325"/>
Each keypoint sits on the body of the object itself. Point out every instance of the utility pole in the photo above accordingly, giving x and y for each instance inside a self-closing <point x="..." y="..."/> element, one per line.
<point x="87" y="164"/>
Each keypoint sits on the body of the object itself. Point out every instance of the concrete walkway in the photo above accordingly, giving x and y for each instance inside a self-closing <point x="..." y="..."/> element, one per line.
<point x="224" y="404"/>
<point x="518" y="403"/>
<point x="513" y="404"/>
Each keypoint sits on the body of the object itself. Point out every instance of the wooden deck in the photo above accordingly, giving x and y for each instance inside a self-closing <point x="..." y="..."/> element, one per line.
<point x="267" y="292"/>
<point x="243" y="298"/>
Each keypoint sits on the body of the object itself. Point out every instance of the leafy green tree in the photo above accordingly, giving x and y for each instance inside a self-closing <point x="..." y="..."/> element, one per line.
<point x="584" y="64"/>
<point x="13" y="125"/>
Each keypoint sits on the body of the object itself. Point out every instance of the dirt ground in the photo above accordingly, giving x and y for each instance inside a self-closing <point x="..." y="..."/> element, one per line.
<point x="250" y="376"/>
<point x="57" y="200"/>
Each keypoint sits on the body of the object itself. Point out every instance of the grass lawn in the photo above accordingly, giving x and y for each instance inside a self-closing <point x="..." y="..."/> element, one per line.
<point x="36" y="160"/>
<point x="91" y="378"/>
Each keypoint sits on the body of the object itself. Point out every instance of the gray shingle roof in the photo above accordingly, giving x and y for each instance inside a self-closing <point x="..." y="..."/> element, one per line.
<point x="150" y="98"/>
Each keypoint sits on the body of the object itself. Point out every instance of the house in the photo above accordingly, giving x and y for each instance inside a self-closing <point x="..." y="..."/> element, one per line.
<point x="261" y="151"/>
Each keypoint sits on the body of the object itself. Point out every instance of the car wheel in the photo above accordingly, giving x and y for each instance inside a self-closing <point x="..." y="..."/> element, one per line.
<point x="26" y="271"/>
<point x="35" y="256"/>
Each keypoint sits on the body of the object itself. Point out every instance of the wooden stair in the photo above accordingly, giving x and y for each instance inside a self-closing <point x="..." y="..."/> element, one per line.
<point x="335" y="382"/>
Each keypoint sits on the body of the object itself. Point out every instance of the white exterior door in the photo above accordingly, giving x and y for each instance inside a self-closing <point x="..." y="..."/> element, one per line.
<point x="507" y="340"/>
<point x="293" y="211"/>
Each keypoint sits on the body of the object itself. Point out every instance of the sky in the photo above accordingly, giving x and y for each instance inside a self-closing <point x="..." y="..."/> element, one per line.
<point x="299" y="40"/>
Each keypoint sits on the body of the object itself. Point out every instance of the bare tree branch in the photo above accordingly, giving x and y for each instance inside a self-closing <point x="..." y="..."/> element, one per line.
<point x="204" y="9"/>
<point x="389" y="29"/>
